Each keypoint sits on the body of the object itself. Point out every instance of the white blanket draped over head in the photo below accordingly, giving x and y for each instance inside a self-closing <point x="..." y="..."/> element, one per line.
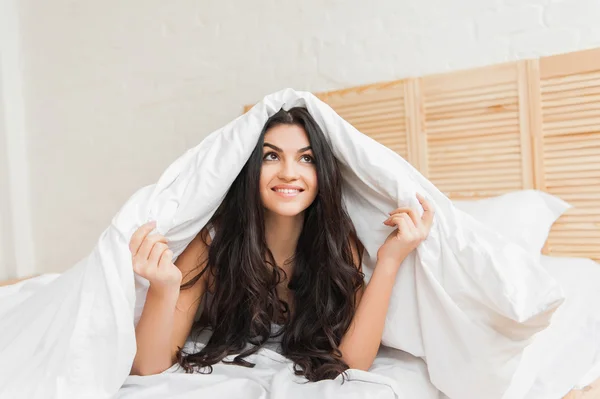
<point x="466" y="300"/>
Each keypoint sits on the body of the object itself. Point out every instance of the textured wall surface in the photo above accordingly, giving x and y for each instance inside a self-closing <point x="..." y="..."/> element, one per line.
<point x="115" y="91"/>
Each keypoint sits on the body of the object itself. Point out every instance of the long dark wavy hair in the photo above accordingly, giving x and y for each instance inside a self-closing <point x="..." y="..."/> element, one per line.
<point x="324" y="281"/>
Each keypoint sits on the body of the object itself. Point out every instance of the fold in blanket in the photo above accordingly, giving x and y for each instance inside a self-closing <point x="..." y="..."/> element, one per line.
<point x="467" y="300"/>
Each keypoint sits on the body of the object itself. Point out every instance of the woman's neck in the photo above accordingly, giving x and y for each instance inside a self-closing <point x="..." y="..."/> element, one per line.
<point x="281" y="234"/>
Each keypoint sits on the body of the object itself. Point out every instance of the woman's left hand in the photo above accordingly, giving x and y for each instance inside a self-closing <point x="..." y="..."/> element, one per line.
<point x="410" y="231"/>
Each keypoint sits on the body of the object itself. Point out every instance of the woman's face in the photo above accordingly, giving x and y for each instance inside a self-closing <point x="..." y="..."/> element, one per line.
<point x="288" y="177"/>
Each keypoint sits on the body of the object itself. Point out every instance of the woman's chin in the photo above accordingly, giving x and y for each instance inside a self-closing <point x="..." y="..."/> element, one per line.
<point x="286" y="210"/>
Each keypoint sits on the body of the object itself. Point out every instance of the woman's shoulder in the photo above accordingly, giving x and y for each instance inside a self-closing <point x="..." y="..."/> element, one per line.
<point x="205" y="235"/>
<point x="194" y="257"/>
<point x="357" y="250"/>
<point x="202" y="242"/>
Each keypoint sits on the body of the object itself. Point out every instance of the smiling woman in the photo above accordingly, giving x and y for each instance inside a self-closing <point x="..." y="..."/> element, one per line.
<point x="280" y="251"/>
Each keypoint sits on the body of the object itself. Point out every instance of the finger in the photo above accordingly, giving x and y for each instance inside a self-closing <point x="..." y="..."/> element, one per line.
<point x="428" y="212"/>
<point x="411" y="213"/>
<point x="428" y="221"/>
<point x="394" y="220"/>
<point x="139" y="267"/>
<point x="156" y="254"/>
<point x="391" y="221"/>
<point x="402" y="228"/>
<point x="148" y="244"/>
<point x="424" y="203"/>
<point x="408" y="221"/>
<point x="139" y="235"/>
<point x="166" y="258"/>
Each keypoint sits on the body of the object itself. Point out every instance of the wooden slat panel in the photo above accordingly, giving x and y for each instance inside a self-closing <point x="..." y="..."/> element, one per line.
<point x="531" y="123"/>
<point x="571" y="82"/>
<point x="378" y="111"/>
<point x="479" y="77"/>
<point x="570" y="104"/>
<point x="417" y="141"/>
<point x="575" y="63"/>
<point x="474" y="131"/>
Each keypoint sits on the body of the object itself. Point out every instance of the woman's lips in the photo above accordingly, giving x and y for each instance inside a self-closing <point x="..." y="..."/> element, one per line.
<point x="287" y="193"/>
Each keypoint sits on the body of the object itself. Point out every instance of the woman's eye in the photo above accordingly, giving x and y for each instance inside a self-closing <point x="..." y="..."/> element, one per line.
<point x="270" y="156"/>
<point x="308" y="158"/>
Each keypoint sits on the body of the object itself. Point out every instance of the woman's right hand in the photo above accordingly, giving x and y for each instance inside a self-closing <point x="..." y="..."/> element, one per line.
<point x="153" y="260"/>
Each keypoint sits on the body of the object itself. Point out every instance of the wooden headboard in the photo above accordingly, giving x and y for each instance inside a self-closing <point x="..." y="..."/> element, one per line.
<point x="488" y="131"/>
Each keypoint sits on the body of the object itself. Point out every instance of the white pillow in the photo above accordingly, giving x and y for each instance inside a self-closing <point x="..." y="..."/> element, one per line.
<point x="524" y="217"/>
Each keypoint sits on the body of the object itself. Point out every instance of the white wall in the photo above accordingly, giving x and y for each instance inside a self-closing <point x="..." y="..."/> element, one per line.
<point x="6" y="265"/>
<point x="17" y="249"/>
<point x="116" y="90"/>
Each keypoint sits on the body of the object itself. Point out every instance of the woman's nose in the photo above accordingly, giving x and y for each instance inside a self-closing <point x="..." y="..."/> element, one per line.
<point x="288" y="170"/>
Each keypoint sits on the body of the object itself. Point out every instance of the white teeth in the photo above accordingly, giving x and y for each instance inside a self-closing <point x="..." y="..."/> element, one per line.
<point x="287" y="191"/>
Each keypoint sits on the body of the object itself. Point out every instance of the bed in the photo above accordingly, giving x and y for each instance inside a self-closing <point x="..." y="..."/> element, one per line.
<point x="480" y="134"/>
<point x="392" y="366"/>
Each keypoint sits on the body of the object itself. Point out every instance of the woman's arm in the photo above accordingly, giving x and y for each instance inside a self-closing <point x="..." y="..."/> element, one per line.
<point x="168" y="314"/>
<point x="361" y="342"/>
<point x="154" y="333"/>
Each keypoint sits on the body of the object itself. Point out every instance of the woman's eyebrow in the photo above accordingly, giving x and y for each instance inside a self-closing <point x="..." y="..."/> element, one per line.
<point x="304" y="149"/>
<point x="273" y="147"/>
<point x="280" y="150"/>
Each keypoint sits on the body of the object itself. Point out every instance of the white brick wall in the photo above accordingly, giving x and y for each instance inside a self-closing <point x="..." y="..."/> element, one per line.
<point x="116" y="90"/>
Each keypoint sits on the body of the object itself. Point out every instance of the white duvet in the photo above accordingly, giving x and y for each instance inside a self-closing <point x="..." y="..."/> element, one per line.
<point x="467" y="301"/>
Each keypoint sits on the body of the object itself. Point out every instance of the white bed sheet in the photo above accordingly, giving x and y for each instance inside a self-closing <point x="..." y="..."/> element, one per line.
<point x="573" y="340"/>
<point x="569" y="351"/>
<point x="394" y="375"/>
<point x="567" y="355"/>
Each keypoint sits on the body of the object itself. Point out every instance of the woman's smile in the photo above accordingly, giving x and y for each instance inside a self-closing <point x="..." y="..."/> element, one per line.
<point x="286" y="191"/>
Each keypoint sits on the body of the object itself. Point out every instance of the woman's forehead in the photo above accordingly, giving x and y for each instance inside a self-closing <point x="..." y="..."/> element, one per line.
<point x="287" y="137"/>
